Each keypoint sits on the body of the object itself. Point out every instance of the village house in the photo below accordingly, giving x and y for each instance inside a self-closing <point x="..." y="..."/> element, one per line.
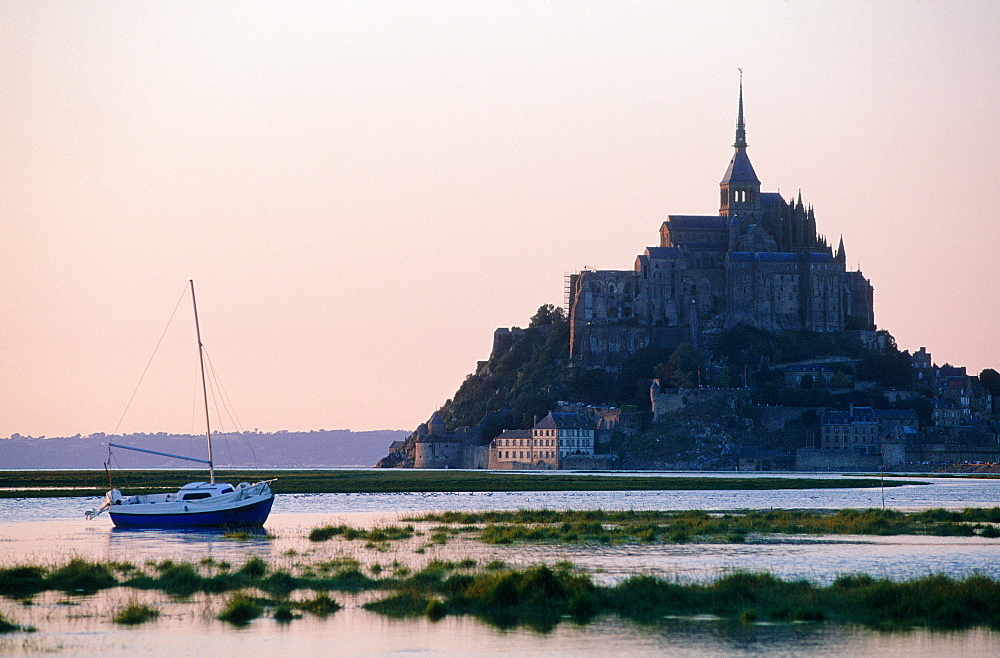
<point x="544" y="446"/>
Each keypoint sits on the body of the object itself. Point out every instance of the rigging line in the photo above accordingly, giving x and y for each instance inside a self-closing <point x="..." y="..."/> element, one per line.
<point x="148" y="363"/>
<point x="124" y="473"/>
<point x="228" y="406"/>
<point x="217" y="406"/>
<point x="223" y="396"/>
<point x="218" y="415"/>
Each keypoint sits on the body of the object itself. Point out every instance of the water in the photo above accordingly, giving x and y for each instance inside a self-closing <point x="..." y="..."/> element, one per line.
<point x="916" y="494"/>
<point x="52" y="530"/>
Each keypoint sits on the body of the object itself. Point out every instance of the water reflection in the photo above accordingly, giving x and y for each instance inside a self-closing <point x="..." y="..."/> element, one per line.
<point x="140" y="544"/>
<point x="946" y="493"/>
<point x="185" y="629"/>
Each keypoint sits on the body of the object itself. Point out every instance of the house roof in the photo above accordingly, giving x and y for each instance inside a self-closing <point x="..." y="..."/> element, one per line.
<point x="663" y="252"/>
<point x="695" y="221"/>
<point x="740" y="170"/>
<point x="856" y="415"/>
<point x="771" y="199"/>
<point x="563" y="421"/>
<point x="515" y="434"/>
<point x="896" y="414"/>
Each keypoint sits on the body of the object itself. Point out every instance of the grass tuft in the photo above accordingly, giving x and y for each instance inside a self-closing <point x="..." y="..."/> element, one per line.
<point x="135" y="613"/>
<point x="81" y="577"/>
<point x="241" y="609"/>
<point x="400" y="605"/>
<point x="22" y="582"/>
<point x="321" y="605"/>
<point x="374" y="537"/>
<point x="284" y="613"/>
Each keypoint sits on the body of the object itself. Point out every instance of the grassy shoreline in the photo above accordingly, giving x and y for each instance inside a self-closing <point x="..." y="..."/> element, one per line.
<point x="539" y="596"/>
<point x="675" y="527"/>
<point x="617" y="527"/>
<point x="51" y="483"/>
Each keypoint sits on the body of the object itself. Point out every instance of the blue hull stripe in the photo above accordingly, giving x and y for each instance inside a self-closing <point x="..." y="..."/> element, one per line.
<point x="249" y="515"/>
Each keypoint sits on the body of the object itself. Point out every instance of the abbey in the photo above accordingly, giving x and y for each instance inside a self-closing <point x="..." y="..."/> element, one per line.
<point x="758" y="262"/>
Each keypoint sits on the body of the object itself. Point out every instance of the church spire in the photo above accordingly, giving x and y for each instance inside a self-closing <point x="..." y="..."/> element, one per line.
<point x="741" y="132"/>
<point x="740" y="188"/>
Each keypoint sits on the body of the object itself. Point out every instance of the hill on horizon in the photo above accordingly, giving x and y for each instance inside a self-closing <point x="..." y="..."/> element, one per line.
<point x="315" y="448"/>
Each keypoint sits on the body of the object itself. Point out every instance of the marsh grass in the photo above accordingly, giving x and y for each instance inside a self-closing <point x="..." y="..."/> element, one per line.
<point x="933" y="601"/>
<point x="538" y="597"/>
<point x="320" y="605"/>
<point x="10" y="627"/>
<point x="375" y="536"/>
<point x="246" y="534"/>
<point x="82" y="577"/>
<point x="241" y="609"/>
<point x="400" y="605"/>
<point x="285" y="613"/>
<point x="23" y="582"/>
<point x="135" y="613"/>
<point x="615" y="527"/>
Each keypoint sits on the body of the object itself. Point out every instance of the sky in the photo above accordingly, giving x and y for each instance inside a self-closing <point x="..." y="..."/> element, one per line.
<point x="363" y="191"/>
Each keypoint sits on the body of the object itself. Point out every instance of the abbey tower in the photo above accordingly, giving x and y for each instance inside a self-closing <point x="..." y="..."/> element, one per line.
<point x="758" y="262"/>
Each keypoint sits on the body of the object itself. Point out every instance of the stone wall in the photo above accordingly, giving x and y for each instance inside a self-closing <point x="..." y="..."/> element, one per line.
<point x="475" y="457"/>
<point x="669" y="400"/>
<point x="815" y="459"/>
<point x="432" y="452"/>
<point x="936" y="453"/>
<point x="588" y="462"/>
<point x="774" y="419"/>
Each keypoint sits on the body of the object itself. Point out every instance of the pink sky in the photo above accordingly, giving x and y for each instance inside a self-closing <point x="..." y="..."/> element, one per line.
<point x="364" y="191"/>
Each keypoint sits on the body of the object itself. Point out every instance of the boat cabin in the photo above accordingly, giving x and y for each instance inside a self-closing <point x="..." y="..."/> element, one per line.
<point x="202" y="490"/>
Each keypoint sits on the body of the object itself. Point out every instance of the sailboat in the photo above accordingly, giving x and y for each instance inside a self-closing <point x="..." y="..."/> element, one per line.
<point x="197" y="504"/>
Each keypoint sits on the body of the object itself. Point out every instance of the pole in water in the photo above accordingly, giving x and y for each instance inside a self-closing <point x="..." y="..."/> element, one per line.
<point x="882" y="487"/>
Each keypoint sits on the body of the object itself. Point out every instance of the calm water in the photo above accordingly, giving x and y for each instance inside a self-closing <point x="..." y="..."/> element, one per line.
<point x="51" y="530"/>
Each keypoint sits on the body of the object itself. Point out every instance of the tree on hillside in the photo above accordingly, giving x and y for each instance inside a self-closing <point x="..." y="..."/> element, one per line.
<point x="990" y="379"/>
<point x="547" y="314"/>
<point x="892" y="369"/>
<point x="839" y="380"/>
<point x="687" y="362"/>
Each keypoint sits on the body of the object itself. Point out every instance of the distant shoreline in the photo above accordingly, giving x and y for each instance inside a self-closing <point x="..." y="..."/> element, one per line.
<point x="63" y="483"/>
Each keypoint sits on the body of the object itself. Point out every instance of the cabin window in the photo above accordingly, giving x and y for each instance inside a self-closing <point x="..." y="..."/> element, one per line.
<point x="196" y="496"/>
<point x="227" y="490"/>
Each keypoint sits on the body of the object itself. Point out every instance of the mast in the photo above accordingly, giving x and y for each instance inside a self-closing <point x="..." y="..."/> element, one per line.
<point x="204" y="386"/>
